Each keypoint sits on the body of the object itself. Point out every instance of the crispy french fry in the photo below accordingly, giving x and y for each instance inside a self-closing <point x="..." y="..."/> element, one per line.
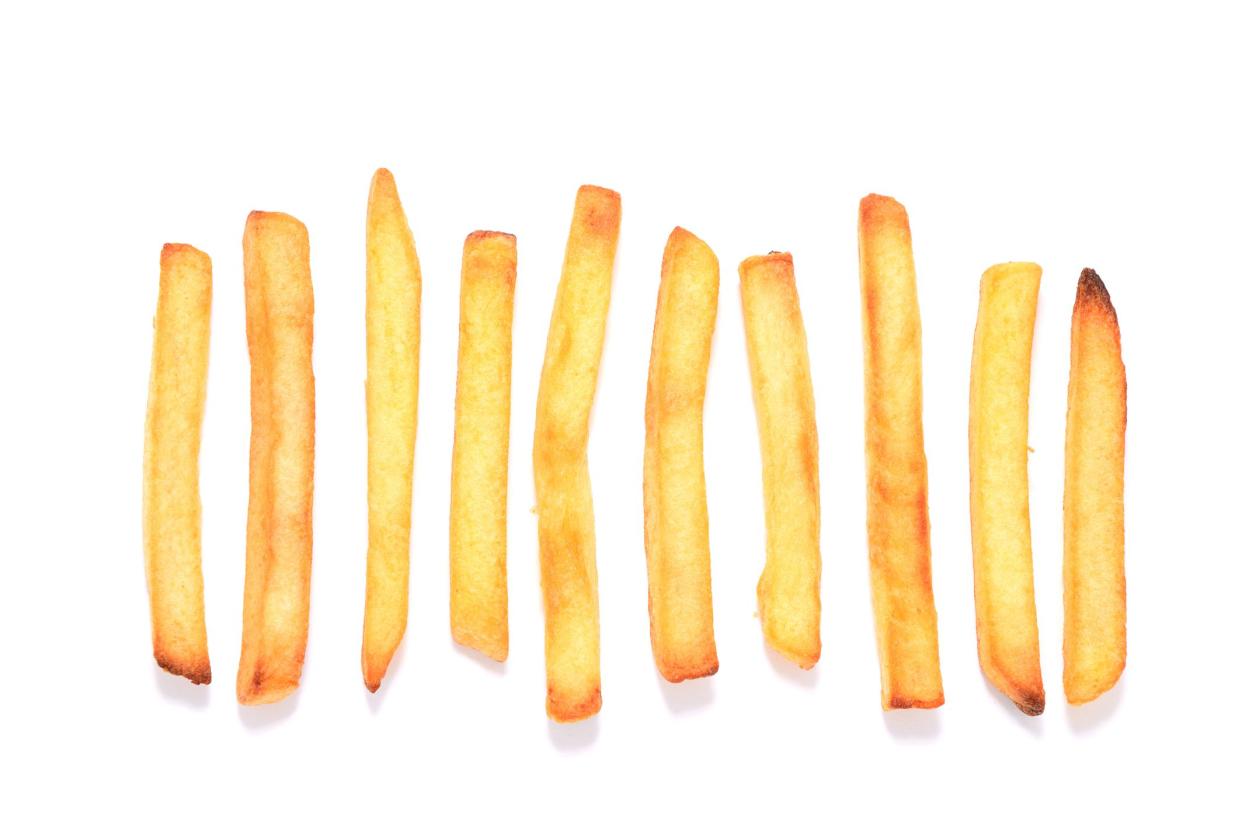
<point x="1095" y="442"/>
<point x="785" y="409"/>
<point x="679" y="576"/>
<point x="562" y="481"/>
<point x="478" y="581"/>
<point x="1000" y="522"/>
<point x="172" y="515"/>
<point x="394" y="290"/>
<point x="897" y="521"/>
<point x="280" y="311"/>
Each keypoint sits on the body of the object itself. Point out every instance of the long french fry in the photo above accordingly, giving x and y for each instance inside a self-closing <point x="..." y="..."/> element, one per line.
<point x="478" y="580"/>
<point x="679" y="576"/>
<point x="394" y="290"/>
<point x="562" y="482"/>
<point x="1095" y="443"/>
<point x="172" y="514"/>
<point x="897" y="521"/>
<point x="785" y="409"/>
<point x="1000" y="522"/>
<point x="280" y="311"/>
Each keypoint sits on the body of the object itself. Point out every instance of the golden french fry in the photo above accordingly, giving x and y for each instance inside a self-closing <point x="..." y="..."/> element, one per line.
<point x="897" y="521"/>
<point x="478" y="581"/>
<point x="394" y="290"/>
<point x="562" y="482"/>
<point x="785" y="409"/>
<point x="1095" y="444"/>
<point x="679" y="575"/>
<point x="280" y="309"/>
<point x="172" y="515"/>
<point x="1000" y="522"/>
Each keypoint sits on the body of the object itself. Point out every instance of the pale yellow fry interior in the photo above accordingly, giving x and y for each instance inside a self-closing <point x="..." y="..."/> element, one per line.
<point x="562" y="482"/>
<point x="1000" y="378"/>
<point x="478" y="583"/>
<point x="172" y="514"/>
<point x="674" y="489"/>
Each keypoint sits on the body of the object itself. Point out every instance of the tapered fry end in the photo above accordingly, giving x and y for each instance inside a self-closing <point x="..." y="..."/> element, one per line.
<point x="374" y="668"/>
<point x="494" y="646"/>
<point x="564" y="707"/>
<point x="803" y="656"/>
<point x="197" y="671"/>
<point x="258" y="691"/>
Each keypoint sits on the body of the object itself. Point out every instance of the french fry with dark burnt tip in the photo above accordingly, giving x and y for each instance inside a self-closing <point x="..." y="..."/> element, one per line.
<point x="562" y="481"/>
<point x="679" y="578"/>
<point x="789" y="606"/>
<point x="1000" y="522"/>
<point x="280" y="308"/>
<point x="897" y="520"/>
<point x="172" y="514"/>
<point x="478" y="580"/>
<point x="1095" y="443"/>
<point x="394" y="291"/>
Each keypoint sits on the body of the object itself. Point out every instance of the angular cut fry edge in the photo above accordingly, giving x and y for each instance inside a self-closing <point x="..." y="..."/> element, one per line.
<point x="1006" y="627"/>
<point x="898" y="528"/>
<point x="393" y="300"/>
<point x="679" y="592"/>
<point x="1094" y="646"/>
<point x="788" y="591"/>
<point x="478" y="579"/>
<point x="562" y="480"/>
<point x="172" y="512"/>
<point x="280" y="309"/>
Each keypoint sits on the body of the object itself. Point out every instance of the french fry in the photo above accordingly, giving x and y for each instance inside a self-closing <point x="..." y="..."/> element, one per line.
<point x="679" y="577"/>
<point x="172" y="514"/>
<point x="897" y="521"/>
<point x="780" y="376"/>
<point x="280" y="311"/>
<point x="1095" y="442"/>
<point x="478" y="581"/>
<point x="562" y="481"/>
<point x="1000" y="522"/>
<point x="394" y="290"/>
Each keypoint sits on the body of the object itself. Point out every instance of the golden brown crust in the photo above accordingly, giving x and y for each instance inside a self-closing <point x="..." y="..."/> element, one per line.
<point x="279" y="329"/>
<point x="172" y="513"/>
<point x="478" y="581"/>
<point x="394" y="292"/>
<point x="674" y="489"/>
<point x="1094" y="564"/>
<point x="897" y="520"/>
<point x="788" y="592"/>
<point x="562" y="481"/>
<point x="1000" y="378"/>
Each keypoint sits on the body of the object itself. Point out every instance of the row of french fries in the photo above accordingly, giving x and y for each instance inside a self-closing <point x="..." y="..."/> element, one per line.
<point x="279" y="322"/>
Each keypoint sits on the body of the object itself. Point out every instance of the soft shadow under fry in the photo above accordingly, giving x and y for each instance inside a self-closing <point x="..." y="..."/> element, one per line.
<point x="1088" y="717"/>
<point x="913" y="724"/>
<point x="179" y="690"/>
<point x="573" y="737"/>
<point x="688" y="695"/>
<point x="258" y="718"/>
<point x="806" y="678"/>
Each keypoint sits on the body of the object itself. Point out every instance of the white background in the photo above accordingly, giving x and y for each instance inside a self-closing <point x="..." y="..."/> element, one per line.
<point x="1100" y="137"/>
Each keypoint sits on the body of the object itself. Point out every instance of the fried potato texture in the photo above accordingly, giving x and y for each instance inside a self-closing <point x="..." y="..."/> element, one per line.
<point x="679" y="577"/>
<point x="562" y="481"/>
<point x="172" y="513"/>
<point x="478" y="581"/>
<point x="789" y="606"/>
<point x="897" y="519"/>
<point x="280" y="309"/>
<point x="394" y="291"/>
<point x="1000" y="522"/>
<point x="1095" y="442"/>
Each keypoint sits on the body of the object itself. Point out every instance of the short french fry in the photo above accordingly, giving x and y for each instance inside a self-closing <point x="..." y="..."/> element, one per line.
<point x="785" y="409"/>
<point x="478" y="581"/>
<point x="1095" y="443"/>
<point x="1000" y="522"/>
<point x="562" y="482"/>
<point x="679" y="576"/>
<point x="394" y="290"/>
<point x="280" y="311"/>
<point x="897" y="521"/>
<point x="172" y="514"/>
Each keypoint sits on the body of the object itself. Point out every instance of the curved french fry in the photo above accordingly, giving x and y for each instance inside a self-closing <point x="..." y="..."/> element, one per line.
<point x="1000" y="521"/>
